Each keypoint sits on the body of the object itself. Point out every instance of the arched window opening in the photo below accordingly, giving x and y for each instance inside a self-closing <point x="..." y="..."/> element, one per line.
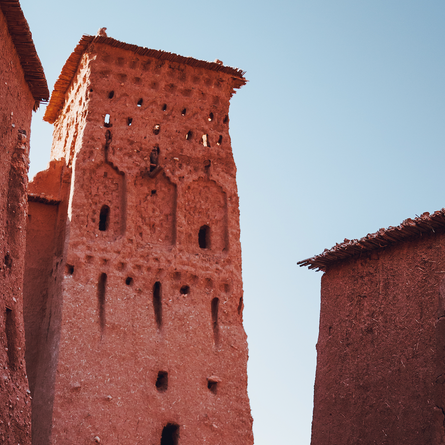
<point x="215" y="324"/>
<point x="189" y="135"/>
<point x="204" y="237"/>
<point x="170" y="434"/>
<point x="219" y="140"/>
<point x="205" y="140"/>
<point x="140" y="102"/>
<point x="154" y="158"/>
<point x="162" y="381"/>
<point x="156" y="129"/>
<point x="164" y="107"/>
<point x="129" y="121"/>
<point x="107" y="122"/>
<point x="101" y="290"/>
<point x="185" y="290"/>
<point x="104" y="218"/>
<point x="128" y="281"/>
<point x="111" y="95"/>
<point x="184" y="111"/>
<point x="157" y="303"/>
<point x="226" y="119"/>
<point x="11" y="339"/>
<point x="210" y="118"/>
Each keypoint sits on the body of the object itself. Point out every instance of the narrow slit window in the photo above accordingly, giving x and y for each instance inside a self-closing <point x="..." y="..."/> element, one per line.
<point x="240" y="306"/>
<point x="170" y="434"/>
<point x="184" y="111"/>
<point x="111" y="95"/>
<point x="164" y="107"/>
<point x="205" y="140"/>
<point x="140" y="102"/>
<point x="210" y="118"/>
<point x="157" y="303"/>
<point x="107" y="122"/>
<point x="129" y="121"/>
<point x="226" y="119"/>
<point x="189" y="134"/>
<point x="11" y="339"/>
<point x="162" y="381"/>
<point x="154" y="158"/>
<point x="215" y="322"/>
<point x="219" y="140"/>
<point x="101" y="290"/>
<point x="104" y="218"/>
<point x="204" y="237"/>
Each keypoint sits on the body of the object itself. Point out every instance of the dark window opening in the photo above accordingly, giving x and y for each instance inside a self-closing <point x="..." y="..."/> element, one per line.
<point x="240" y="306"/>
<point x="129" y="121"/>
<point x="153" y="192"/>
<point x="11" y="339"/>
<point x="207" y="165"/>
<point x="226" y="119"/>
<point x="210" y="117"/>
<point x="164" y="107"/>
<point x="91" y="90"/>
<point x="213" y="386"/>
<point x="140" y="102"/>
<point x="215" y="324"/>
<point x="107" y="122"/>
<point x="154" y="158"/>
<point x="104" y="218"/>
<point x="101" y="288"/>
<point x="219" y="140"/>
<point x="156" y="129"/>
<point x="205" y="140"/>
<point x="111" y="95"/>
<point x="170" y="434"/>
<point x="189" y="134"/>
<point x="162" y="381"/>
<point x="128" y="281"/>
<point x="8" y="260"/>
<point x="204" y="237"/>
<point x="69" y="269"/>
<point x="157" y="303"/>
<point x="185" y="290"/>
<point x="184" y="111"/>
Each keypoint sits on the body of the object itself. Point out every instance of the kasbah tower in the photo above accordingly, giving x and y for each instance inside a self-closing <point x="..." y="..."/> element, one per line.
<point x="133" y="292"/>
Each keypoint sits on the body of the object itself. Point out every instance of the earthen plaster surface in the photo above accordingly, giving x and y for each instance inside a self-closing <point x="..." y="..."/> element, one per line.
<point x="380" y="362"/>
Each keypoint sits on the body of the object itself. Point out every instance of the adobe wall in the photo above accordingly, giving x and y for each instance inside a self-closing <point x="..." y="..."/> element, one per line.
<point x="151" y="335"/>
<point x="15" y="113"/>
<point x="381" y="348"/>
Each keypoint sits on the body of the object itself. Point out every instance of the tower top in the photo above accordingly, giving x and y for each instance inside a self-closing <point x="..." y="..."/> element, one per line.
<point x="57" y="100"/>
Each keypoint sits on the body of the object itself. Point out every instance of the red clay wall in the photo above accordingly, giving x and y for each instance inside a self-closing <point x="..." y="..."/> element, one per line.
<point x="15" y="118"/>
<point x="381" y="348"/>
<point x="151" y="337"/>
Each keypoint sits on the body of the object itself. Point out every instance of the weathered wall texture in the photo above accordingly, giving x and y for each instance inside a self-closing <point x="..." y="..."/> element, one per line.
<point x="152" y="347"/>
<point x="16" y="106"/>
<point x="381" y="348"/>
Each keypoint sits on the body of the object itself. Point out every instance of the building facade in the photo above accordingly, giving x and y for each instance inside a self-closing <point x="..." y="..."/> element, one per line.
<point x="381" y="347"/>
<point x="134" y="233"/>
<point x="22" y="88"/>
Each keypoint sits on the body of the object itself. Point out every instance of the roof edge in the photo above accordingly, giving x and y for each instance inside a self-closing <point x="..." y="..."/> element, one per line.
<point x="409" y="229"/>
<point x="69" y="69"/>
<point x="20" y="33"/>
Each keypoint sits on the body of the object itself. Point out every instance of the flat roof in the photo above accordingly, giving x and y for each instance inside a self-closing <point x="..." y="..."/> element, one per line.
<point x="409" y="229"/>
<point x="20" y="33"/>
<point x="68" y="72"/>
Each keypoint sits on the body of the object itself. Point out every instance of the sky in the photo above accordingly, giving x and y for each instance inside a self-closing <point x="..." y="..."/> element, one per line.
<point x="339" y="132"/>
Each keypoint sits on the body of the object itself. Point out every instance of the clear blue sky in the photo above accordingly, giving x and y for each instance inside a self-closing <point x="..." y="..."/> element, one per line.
<point x="340" y="131"/>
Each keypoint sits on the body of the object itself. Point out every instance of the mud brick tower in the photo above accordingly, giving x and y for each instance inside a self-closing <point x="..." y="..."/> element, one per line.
<point x="135" y="231"/>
